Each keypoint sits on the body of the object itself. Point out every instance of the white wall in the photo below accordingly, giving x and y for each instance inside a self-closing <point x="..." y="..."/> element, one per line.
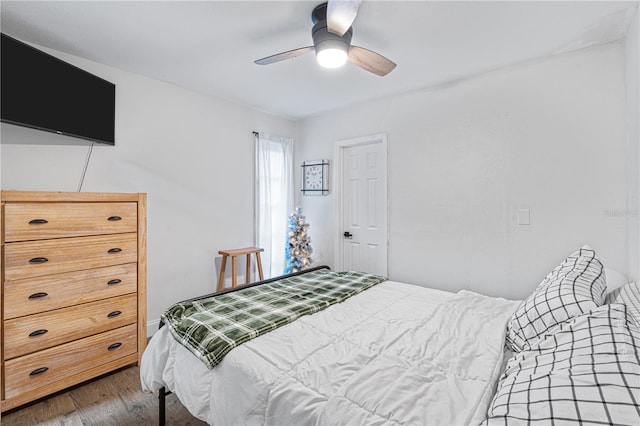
<point x="632" y="51"/>
<point x="192" y="154"/>
<point x="548" y="135"/>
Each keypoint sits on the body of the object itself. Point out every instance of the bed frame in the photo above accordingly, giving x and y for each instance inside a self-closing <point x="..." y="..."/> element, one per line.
<point x="162" y="393"/>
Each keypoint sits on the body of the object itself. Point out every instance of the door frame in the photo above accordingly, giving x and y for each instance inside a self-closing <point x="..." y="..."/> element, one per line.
<point x="340" y="147"/>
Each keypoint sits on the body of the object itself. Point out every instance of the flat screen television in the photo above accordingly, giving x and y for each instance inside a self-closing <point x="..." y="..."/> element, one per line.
<point x="43" y="92"/>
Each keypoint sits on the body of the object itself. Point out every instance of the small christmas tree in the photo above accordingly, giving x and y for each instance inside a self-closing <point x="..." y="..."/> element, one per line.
<point x="298" y="247"/>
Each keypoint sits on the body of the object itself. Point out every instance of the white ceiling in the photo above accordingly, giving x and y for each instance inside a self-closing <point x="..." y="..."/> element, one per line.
<point x="210" y="46"/>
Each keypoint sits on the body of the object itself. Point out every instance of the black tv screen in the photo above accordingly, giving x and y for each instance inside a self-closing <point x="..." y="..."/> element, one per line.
<point x="43" y="92"/>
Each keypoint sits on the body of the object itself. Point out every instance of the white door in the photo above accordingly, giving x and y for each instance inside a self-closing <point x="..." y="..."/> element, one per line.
<point x="362" y="204"/>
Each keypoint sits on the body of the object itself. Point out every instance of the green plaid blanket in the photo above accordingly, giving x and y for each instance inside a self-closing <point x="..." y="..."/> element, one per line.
<point x="211" y="327"/>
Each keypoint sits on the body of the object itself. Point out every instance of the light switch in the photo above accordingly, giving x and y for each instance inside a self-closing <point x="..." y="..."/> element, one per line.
<point x="524" y="217"/>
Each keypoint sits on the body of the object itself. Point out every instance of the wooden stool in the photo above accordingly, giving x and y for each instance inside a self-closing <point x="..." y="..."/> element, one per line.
<point x="234" y="253"/>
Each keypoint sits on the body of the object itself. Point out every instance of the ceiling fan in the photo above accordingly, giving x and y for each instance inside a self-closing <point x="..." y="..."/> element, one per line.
<point x="331" y="34"/>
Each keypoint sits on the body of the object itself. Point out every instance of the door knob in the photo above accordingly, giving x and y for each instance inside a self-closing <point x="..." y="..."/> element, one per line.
<point x="347" y="234"/>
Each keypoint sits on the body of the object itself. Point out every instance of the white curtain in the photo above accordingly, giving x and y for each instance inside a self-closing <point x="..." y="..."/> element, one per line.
<point x="274" y="199"/>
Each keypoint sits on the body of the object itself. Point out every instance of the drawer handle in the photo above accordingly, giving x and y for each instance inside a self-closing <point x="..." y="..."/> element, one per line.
<point x="112" y="218"/>
<point x="114" y="314"/>
<point x="38" y="295"/>
<point x="115" y="250"/>
<point x="38" y="332"/>
<point x="114" y="346"/>
<point x="113" y="282"/>
<point x="38" y="260"/>
<point x="38" y="221"/>
<point x="38" y="371"/>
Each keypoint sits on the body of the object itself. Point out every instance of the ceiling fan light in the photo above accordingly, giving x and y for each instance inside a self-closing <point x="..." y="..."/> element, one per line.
<point x="331" y="57"/>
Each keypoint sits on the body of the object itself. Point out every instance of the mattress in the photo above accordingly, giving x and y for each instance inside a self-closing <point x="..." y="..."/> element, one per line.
<point x="394" y="354"/>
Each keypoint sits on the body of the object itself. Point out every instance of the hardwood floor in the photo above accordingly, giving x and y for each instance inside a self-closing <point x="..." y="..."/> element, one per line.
<point x="115" y="399"/>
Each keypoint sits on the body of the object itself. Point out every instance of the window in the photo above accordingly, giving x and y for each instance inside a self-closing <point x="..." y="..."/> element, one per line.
<point x="274" y="199"/>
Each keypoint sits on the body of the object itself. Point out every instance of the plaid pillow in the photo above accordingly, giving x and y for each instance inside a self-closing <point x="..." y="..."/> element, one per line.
<point x="629" y="295"/>
<point x="575" y="286"/>
<point x="588" y="372"/>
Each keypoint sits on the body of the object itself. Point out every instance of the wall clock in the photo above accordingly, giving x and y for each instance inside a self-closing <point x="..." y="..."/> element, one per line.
<point x="315" y="177"/>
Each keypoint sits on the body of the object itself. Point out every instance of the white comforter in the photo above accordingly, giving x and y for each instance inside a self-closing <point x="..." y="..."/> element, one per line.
<point x="394" y="354"/>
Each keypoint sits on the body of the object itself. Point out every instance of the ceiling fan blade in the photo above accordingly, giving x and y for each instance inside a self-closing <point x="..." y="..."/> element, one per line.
<point x="284" y="55"/>
<point x="370" y="61"/>
<point x="341" y="14"/>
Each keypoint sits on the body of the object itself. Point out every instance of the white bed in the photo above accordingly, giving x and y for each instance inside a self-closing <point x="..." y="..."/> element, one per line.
<point x="402" y="354"/>
<point x="394" y="354"/>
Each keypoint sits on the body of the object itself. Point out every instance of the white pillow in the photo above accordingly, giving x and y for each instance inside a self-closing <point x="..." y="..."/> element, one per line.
<point x="574" y="287"/>
<point x="628" y="295"/>
<point x="614" y="279"/>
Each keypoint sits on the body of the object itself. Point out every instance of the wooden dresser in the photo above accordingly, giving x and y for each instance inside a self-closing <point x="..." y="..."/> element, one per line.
<point x="73" y="289"/>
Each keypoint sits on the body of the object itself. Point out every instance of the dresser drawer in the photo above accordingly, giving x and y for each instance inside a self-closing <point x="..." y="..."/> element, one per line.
<point x="38" y="221"/>
<point x="42" y="368"/>
<point x="40" y="331"/>
<point x="40" y="294"/>
<point x="37" y="258"/>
